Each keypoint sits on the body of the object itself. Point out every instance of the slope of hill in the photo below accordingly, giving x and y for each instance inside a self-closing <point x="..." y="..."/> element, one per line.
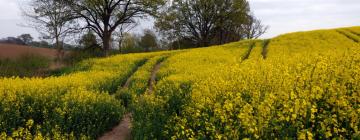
<point x="301" y="85"/>
<point x="296" y="85"/>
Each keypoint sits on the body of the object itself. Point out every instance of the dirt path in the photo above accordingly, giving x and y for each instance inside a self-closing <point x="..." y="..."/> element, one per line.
<point x="152" y="80"/>
<point x="127" y="83"/>
<point x="121" y="131"/>
<point x="265" y="45"/>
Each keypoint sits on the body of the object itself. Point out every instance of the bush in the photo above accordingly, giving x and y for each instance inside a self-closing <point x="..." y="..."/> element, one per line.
<point x="78" y="55"/>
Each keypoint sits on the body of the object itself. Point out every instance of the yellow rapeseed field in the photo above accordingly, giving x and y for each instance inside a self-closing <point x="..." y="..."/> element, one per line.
<point x="308" y="87"/>
<point x="303" y="85"/>
<point x="69" y="106"/>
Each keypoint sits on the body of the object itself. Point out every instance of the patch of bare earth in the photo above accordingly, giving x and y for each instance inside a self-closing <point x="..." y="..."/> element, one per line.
<point x="12" y="51"/>
<point x="121" y="131"/>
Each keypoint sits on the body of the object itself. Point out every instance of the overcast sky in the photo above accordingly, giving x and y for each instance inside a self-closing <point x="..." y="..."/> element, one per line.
<point x="281" y="15"/>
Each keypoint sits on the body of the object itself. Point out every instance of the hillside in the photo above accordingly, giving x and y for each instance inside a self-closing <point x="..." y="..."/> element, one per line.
<point x="301" y="85"/>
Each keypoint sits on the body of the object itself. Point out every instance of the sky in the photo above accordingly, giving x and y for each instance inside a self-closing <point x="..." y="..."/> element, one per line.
<point x="285" y="16"/>
<point x="282" y="16"/>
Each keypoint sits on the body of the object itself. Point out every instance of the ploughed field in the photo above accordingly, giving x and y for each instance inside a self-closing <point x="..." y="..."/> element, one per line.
<point x="27" y="61"/>
<point x="12" y="51"/>
<point x="303" y="85"/>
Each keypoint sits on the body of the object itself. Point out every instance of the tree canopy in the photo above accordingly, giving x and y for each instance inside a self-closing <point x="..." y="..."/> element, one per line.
<point x="105" y="16"/>
<point x="27" y="39"/>
<point x="205" y="22"/>
<point x="180" y="22"/>
<point x="148" y="40"/>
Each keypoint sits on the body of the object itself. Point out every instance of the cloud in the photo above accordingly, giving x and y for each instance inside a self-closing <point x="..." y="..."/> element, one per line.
<point x="11" y="19"/>
<point x="9" y="9"/>
<point x="297" y="15"/>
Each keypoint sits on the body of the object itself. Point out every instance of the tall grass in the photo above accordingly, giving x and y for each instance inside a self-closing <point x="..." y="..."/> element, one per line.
<point x="27" y="65"/>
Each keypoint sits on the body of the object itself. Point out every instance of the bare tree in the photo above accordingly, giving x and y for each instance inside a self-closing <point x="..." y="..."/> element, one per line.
<point x="105" y="16"/>
<point x="253" y="28"/>
<point x="52" y="18"/>
<point x="122" y="31"/>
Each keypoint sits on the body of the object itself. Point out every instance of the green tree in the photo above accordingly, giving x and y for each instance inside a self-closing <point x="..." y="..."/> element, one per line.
<point x="233" y="15"/>
<point x="204" y="22"/>
<point x="128" y="43"/>
<point x="88" y="41"/>
<point x="148" y="41"/>
<point x="26" y="38"/>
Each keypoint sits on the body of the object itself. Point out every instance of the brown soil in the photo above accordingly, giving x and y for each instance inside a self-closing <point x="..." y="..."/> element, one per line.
<point x="121" y="131"/>
<point x="12" y="51"/>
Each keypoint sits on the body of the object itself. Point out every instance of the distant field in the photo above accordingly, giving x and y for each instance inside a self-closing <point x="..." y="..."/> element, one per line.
<point x="27" y="61"/>
<point x="12" y="51"/>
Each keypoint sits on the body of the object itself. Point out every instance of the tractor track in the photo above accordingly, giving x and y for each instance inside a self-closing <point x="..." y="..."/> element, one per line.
<point x="122" y="131"/>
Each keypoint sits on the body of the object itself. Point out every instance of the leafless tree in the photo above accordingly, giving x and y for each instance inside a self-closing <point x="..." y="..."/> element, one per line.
<point x="52" y="18"/>
<point x="121" y="32"/>
<point x="253" y="28"/>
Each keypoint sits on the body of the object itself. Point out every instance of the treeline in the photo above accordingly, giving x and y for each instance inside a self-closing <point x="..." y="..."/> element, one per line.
<point x="106" y="24"/>
<point x="128" y="42"/>
<point x="27" y="39"/>
<point x="208" y="22"/>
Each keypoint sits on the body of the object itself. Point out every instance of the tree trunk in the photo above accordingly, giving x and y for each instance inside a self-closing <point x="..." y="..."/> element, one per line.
<point x="221" y="37"/>
<point x="106" y="43"/>
<point x="58" y="48"/>
<point x="204" y="41"/>
<point x="120" y="44"/>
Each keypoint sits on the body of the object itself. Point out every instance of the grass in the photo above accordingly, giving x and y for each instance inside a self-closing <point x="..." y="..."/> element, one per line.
<point x="31" y="65"/>
<point x="27" y="65"/>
